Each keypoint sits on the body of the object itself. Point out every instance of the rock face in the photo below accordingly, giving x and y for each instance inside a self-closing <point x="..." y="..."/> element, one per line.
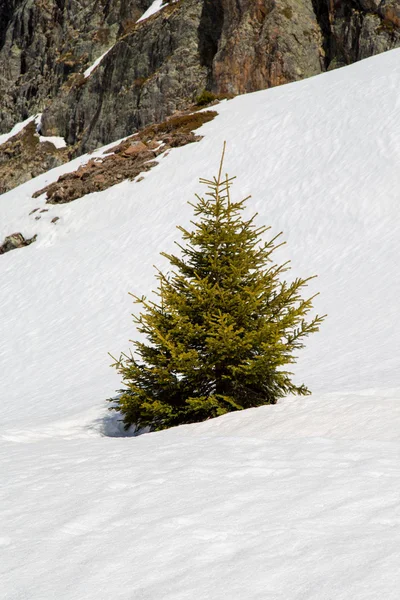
<point x="149" y="73"/>
<point x="45" y="43"/>
<point x="356" y="29"/>
<point x="227" y="46"/>
<point x="159" y="65"/>
<point x="24" y="156"/>
<point x="264" y="43"/>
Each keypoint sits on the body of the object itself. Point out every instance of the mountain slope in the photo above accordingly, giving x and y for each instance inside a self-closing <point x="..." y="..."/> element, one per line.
<point x="151" y="67"/>
<point x="105" y="69"/>
<point x="293" y="501"/>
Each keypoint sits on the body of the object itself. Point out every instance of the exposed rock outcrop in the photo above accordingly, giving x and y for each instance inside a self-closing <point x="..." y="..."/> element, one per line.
<point x="226" y="46"/>
<point x="264" y="43"/>
<point x="45" y="43"/>
<point x="356" y="29"/>
<point x="158" y="66"/>
<point x="24" y="156"/>
<point x="14" y="241"/>
<point x="128" y="159"/>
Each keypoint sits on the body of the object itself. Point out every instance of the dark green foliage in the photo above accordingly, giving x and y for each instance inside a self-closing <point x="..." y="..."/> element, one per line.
<point x="205" y="98"/>
<point x="224" y="326"/>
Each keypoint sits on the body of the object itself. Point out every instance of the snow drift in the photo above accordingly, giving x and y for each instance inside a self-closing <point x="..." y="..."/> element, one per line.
<point x="295" y="501"/>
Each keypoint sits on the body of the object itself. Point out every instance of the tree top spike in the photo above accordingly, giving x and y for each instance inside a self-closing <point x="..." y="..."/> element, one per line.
<point x="221" y="164"/>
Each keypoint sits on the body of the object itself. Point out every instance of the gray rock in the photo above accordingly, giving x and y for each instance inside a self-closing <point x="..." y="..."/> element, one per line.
<point x="370" y="5"/>
<point x="14" y="241"/>
<point x="148" y="74"/>
<point x="167" y="60"/>
<point x="44" y="44"/>
<point x="354" y="30"/>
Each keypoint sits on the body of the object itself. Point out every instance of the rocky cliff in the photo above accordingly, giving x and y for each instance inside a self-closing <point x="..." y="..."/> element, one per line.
<point x="356" y="29"/>
<point x="44" y="44"/>
<point x="226" y="46"/>
<point x="158" y="66"/>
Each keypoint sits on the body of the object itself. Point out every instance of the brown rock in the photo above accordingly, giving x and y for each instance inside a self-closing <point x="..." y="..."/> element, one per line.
<point x="135" y="149"/>
<point x="23" y="157"/>
<point x="265" y="43"/>
<point x="390" y="11"/>
<point x="14" y="241"/>
<point x="126" y="160"/>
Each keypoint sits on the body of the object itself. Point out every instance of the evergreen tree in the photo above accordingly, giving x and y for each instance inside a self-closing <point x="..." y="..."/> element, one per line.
<point x="224" y="326"/>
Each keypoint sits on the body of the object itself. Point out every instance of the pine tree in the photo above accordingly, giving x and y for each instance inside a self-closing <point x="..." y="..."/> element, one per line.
<point x="224" y="326"/>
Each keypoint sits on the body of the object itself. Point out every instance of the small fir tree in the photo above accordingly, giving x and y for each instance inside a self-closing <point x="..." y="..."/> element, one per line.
<point x="224" y="326"/>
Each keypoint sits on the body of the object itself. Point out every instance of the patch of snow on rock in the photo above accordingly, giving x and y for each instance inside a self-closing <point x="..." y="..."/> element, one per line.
<point x="4" y="137"/>
<point x="96" y="63"/>
<point x="152" y="10"/>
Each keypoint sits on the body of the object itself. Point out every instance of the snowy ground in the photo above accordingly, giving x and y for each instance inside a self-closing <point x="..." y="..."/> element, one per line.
<point x="297" y="501"/>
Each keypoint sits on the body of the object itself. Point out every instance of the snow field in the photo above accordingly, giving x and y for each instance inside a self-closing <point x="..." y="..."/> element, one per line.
<point x="225" y="517"/>
<point x="297" y="501"/>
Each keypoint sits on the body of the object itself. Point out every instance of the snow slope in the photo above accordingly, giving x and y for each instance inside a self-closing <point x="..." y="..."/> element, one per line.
<point x="297" y="501"/>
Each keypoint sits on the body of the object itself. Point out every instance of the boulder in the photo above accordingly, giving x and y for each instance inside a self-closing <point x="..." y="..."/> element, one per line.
<point x="14" y="241"/>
